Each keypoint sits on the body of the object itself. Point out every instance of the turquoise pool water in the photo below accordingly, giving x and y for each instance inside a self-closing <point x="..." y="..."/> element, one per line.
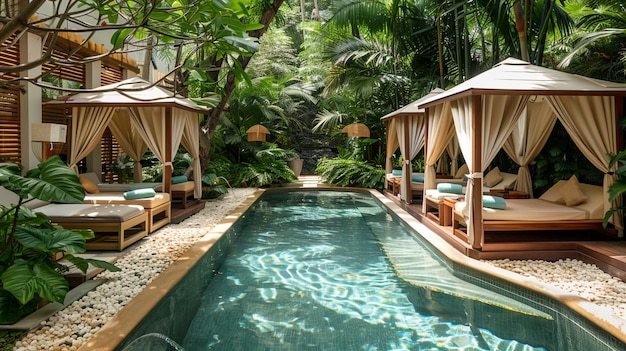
<point x="335" y="270"/>
<point x="309" y="273"/>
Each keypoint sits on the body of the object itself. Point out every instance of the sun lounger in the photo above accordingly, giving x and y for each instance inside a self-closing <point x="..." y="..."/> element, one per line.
<point x="115" y="226"/>
<point x="158" y="207"/>
<point x="182" y="192"/>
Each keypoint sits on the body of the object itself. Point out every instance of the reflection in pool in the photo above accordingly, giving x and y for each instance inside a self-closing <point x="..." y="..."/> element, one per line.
<point x="332" y="270"/>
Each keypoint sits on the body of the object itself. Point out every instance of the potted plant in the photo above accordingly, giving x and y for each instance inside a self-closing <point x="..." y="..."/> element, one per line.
<point x="294" y="161"/>
<point x="30" y="243"/>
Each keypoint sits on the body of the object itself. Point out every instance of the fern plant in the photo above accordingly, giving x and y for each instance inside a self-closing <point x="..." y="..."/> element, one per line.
<point x="344" y="172"/>
<point x="267" y="170"/>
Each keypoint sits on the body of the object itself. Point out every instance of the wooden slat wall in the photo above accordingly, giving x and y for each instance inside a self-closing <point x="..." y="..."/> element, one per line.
<point x="10" y="132"/>
<point x="75" y="73"/>
<point x="110" y="75"/>
<point x="9" y="108"/>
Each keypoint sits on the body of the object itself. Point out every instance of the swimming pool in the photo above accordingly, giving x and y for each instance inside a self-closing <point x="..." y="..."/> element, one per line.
<point x="334" y="270"/>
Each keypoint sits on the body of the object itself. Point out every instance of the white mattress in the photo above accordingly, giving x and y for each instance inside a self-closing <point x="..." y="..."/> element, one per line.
<point x="533" y="210"/>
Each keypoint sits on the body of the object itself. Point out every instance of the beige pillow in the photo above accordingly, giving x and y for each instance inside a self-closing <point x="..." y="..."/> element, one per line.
<point x="493" y="177"/>
<point x="88" y="184"/>
<point x="462" y="172"/>
<point x="571" y="192"/>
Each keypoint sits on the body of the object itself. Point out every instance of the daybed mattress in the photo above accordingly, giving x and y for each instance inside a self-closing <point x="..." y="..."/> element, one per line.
<point x="118" y="198"/>
<point x="81" y="213"/>
<point x="122" y="187"/>
<point x="184" y="186"/>
<point x="537" y="210"/>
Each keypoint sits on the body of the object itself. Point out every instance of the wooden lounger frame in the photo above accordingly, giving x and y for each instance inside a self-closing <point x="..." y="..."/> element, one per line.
<point x="181" y="196"/>
<point x="159" y="216"/>
<point x="555" y="225"/>
<point x="113" y="235"/>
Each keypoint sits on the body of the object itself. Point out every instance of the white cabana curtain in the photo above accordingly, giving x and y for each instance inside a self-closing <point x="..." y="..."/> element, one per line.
<point x="392" y="144"/>
<point x="590" y="122"/>
<point x="191" y="142"/>
<point x="440" y="133"/>
<point x="453" y="150"/>
<point x="528" y="138"/>
<point x="130" y="141"/>
<point x="499" y="115"/>
<point x="149" y="122"/>
<point x="415" y="125"/>
<point x="88" y="125"/>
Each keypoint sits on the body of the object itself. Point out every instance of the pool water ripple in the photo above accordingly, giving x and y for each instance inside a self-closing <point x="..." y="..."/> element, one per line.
<point x="318" y="279"/>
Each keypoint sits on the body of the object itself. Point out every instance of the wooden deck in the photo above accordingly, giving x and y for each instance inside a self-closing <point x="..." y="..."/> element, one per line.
<point x="609" y="254"/>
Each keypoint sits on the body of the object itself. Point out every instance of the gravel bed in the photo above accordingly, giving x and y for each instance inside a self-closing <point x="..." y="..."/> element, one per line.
<point x="70" y="328"/>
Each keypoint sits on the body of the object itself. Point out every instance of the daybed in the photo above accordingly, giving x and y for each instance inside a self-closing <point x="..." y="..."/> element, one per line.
<point x="158" y="205"/>
<point x="115" y="226"/>
<point x="182" y="192"/>
<point x="505" y="181"/>
<point x="551" y="211"/>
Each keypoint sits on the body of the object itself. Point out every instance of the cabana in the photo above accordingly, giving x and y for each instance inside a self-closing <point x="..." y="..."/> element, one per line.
<point x="517" y="100"/>
<point x="405" y="129"/>
<point x="140" y="116"/>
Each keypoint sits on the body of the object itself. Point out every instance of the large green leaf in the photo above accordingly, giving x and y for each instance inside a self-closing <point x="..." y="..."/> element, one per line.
<point x="55" y="240"/>
<point x="52" y="180"/>
<point x="26" y="283"/>
<point x="11" y="310"/>
<point x="83" y="263"/>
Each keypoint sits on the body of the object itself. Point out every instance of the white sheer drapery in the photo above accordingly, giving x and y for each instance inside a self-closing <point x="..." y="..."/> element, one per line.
<point x="392" y="144"/>
<point x="150" y="123"/>
<point x="453" y="150"/>
<point x="589" y="122"/>
<point x="88" y="125"/>
<point x="130" y="141"/>
<point x="440" y="133"/>
<point x="410" y="131"/>
<point x="528" y="138"/>
<point x="499" y="115"/>
<point x="191" y="142"/>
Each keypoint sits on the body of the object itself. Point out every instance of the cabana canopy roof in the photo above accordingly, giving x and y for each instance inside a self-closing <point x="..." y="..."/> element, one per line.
<point x="131" y="92"/>
<point x="513" y="76"/>
<point x="413" y="108"/>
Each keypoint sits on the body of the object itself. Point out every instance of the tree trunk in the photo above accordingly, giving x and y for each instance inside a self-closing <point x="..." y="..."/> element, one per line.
<point x="212" y="119"/>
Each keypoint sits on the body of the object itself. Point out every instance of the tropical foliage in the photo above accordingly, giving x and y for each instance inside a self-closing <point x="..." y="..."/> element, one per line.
<point x="345" y="172"/>
<point x="29" y="242"/>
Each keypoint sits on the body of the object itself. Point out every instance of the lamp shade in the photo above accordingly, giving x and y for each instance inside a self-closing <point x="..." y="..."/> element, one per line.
<point x="356" y="130"/>
<point x="257" y="133"/>
<point x="48" y="132"/>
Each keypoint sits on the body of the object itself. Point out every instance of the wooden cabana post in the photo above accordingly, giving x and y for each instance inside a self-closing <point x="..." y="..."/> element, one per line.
<point x="477" y="195"/>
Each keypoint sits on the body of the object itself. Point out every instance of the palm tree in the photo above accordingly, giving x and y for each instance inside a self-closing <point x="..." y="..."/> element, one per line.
<point x="598" y="49"/>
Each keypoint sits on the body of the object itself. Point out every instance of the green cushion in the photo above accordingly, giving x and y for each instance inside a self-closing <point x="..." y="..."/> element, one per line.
<point x="139" y="194"/>
<point x="450" y="188"/>
<point x="417" y="179"/>
<point x="494" y="202"/>
<point x="179" y="179"/>
<point x="396" y="172"/>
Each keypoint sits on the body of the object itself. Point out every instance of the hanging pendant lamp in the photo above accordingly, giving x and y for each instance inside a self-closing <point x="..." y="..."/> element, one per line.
<point x="257" y="133"/>
<point x="358" y="130"/>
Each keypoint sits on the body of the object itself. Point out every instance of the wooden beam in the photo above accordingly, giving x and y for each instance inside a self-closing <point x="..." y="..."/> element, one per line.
<point x="477" y="167"/>
<point x="167" y="168"/>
